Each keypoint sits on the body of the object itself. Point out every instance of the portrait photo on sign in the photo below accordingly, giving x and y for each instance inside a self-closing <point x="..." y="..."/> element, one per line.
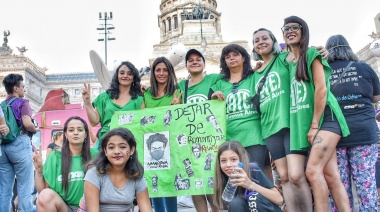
<point x="182" y="139"/>
<point x="156" y="151"/>
<point x="181" y="184"/>
<point x="211" y="118"/>
<point x="198" y="183"/>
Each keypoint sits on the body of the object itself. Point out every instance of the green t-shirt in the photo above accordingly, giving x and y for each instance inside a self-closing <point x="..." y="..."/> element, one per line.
<point x="52" y="172"/>
<point x="302" y="103"/>
<point x="274" y="96"/>
<point x="243" y="121"/>
<point x="200" y="91"/>
<point x="151" y="102"/>
<point x="106" y="108"/>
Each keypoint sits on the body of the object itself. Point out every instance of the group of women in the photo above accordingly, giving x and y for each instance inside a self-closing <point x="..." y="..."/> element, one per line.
<point x="297" y="119"/>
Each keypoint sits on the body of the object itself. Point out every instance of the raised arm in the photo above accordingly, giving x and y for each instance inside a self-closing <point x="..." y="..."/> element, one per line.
<point x="39" y="179"/>
<point x="92" y="113"/>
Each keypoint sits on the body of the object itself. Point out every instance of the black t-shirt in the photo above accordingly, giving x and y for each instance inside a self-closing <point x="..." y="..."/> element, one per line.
<point x="354" y="94"/>
<point x="53" y="146"/>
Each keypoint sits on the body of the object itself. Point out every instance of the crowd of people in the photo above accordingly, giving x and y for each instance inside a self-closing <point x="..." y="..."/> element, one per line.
<point x="309" y="111"/>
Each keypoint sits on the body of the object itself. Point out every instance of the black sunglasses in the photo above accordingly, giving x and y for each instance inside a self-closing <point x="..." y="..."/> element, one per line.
<point x="234" y="87"/>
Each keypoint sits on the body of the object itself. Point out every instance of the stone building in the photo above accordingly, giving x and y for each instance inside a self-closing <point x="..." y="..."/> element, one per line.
<point x="184" y="21"/>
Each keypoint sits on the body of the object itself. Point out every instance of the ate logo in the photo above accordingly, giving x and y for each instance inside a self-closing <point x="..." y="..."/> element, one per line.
<point x="197" y="98"/>
<point x="272" y="84"/>
<point x="298" y="92"/>
<point x="238" y="101"/>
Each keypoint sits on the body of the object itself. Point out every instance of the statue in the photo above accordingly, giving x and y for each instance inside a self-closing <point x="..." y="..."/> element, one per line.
<point x="6" y="38"/>
<point x="186" y="14"/>
<point x="22" y="50"/>
<point x="195" y="13"/>
<point x="375" y="36"/>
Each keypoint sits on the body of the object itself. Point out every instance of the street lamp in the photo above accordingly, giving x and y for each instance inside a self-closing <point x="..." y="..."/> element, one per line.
<point x="105" y="27"/>
<point x="201" y="12"/>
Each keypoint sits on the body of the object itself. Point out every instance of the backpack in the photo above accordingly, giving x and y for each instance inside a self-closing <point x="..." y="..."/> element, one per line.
<point x="10" y="119"/>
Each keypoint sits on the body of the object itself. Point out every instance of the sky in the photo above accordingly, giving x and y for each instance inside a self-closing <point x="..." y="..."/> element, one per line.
<point x="60" y="34"/>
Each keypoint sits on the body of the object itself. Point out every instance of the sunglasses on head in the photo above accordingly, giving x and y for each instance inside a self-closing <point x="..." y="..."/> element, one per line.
<point x="294" y="28"/>
<point x="235" y="87"/>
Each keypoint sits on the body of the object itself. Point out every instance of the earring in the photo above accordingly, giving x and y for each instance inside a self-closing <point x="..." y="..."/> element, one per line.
<point x="130" y="157"/>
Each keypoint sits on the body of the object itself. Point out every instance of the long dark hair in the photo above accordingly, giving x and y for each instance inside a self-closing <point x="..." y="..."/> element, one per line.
<point x="133" y="169"/>
<point x="67" y="155"/>
<point x="135" y="90"/>
<point x="301" y="73"/>
<point x="172" y="81"/>
<point x="221" y="178"/>
<point x="225" y="71"/>
<point x="339" y="49"/>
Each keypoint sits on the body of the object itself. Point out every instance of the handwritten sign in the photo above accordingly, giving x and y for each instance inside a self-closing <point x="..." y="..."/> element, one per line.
<point x="177" y="145"/>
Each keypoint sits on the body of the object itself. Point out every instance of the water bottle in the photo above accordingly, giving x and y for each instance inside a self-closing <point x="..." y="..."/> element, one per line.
<point x="229" y="190"/>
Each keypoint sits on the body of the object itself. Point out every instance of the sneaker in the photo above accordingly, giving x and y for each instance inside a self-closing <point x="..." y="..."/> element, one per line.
<point x="185" y="201"/>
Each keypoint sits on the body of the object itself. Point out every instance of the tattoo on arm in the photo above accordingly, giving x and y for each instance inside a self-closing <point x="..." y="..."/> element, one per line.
<point x="317" y="140"/>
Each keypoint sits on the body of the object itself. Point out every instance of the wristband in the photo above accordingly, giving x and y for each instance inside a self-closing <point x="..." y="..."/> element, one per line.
<point x="253" y="186"/>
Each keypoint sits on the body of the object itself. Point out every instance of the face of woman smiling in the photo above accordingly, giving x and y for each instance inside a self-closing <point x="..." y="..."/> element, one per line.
<point x="118" y="151"/>
<point x="262" y="43"/>
<point x="228" y="160"/>
<point x="125" y="76"/>
<point x="161" y="73"/>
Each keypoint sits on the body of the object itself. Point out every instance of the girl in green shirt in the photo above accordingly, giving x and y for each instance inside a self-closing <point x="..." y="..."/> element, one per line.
<point x="124" y="94"/>
<point x="59" y="181"/>
<point x="315" y="116"/>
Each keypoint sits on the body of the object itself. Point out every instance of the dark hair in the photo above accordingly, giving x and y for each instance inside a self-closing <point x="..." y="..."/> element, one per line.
<point x="275" y="48"/>
<point x="12" y="80"/>
<point x="67" y="155"/>
<point x="225" y="71"/>
<point x="172" y="81"/>
<point x="180" y="136"/>
<point x="156" y="137"/>
<point x="135" y="90"/>
<point x="133" y="168"/>
<point x="221" y="178"/>
<point x="301" y="73"/>
<point x="339" y="49"/>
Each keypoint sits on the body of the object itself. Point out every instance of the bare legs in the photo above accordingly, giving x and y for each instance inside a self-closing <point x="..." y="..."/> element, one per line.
<point x="300" y="187"/>
<point x="200" y="203"/>
<point x="321" y="161"/>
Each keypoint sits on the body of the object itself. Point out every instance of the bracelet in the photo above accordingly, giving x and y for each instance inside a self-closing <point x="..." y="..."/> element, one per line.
<point x="311" y="127"/>
<point x="253" y="186"/>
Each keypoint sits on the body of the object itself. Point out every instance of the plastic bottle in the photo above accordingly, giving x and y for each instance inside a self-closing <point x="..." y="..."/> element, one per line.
<point x="229" y="190"/>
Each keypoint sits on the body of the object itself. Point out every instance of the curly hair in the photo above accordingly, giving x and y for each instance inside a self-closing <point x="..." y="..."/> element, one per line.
<point x="156" y="137"/>
<point x="135" y="90"/>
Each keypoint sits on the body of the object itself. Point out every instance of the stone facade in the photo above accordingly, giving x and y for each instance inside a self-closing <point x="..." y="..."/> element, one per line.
<point x="184" y="29"/>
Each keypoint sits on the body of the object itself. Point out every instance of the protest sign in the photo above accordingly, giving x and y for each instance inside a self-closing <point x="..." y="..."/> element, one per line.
<point x="177" y="145"/>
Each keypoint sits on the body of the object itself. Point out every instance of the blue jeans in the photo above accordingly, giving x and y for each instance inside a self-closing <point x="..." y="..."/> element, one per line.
<point x="165" y="204"/>
<point x="16" y="161"/>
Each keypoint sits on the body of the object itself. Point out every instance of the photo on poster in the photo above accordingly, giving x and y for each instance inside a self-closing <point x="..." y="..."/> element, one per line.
<point x="196" y="149"/>
<point x="154" y="183"/>
<point x="198" y="183"/>
<point x="211" y="118"/>
<point x="208" y="161"/>
<point x="181" y="184"/>
<point x="156" y="151"/>
<point x="182" y="139"/>
<point x="167" y="118"/>
<point x="125" y="118"/>
<point x="147" y="120"/>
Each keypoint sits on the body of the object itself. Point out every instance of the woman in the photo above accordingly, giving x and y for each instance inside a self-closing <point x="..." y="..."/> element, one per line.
<point x="124" y="94"/>
<point x="117" y="159"/>
<point x="318" y="124"/>
<point x="357" y="153"/>
<point x="163" y="92"/>
<point x="59" y="181"/>
<point x="56" y="144"/>
<point x="236" y="87"/>
<point x="196" y="89"/>
<point x="274" y="98"/>
<point x="250" y="180"/>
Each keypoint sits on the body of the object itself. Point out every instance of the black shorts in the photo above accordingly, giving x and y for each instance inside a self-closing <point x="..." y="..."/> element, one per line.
<point x="278" y="145"/>
<point x="330" y="123"/>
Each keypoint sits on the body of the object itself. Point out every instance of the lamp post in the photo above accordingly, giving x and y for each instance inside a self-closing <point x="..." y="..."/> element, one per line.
<point x="105" y="27"/>
<point x="200" y="10"/>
